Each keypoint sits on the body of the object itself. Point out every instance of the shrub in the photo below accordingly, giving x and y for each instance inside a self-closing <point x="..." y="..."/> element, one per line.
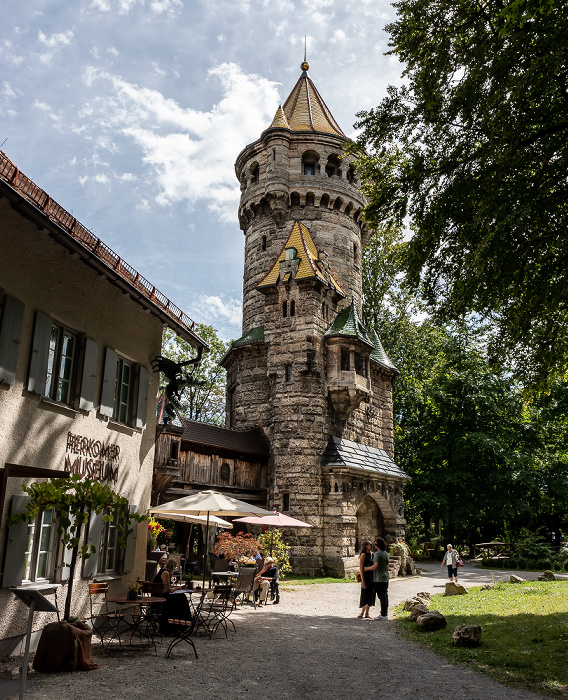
<point x="543" y="564"/>
<point x="522" y="564"/>
<point x="532" y="546"/>
<point x="513" y="564"/>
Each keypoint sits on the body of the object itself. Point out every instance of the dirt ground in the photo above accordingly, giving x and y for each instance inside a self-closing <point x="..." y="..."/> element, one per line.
<point x="310" y="646"/>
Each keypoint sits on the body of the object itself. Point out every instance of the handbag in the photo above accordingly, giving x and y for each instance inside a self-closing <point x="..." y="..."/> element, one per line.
<point x="459" y="562"/>
<point x="359" y="577"/>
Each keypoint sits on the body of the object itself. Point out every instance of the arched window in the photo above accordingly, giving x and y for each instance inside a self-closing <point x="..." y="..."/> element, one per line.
<point x="295" y="199"/>
<point x="255" y="175"/>
<point x="263" y="243"/>
<point x="292" y="308"/>
<point x="310" y="161"/>
<point x="284" y="309"/>
<point x="332" y="166"/>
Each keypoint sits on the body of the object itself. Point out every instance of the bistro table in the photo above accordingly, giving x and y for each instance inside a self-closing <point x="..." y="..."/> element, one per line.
<point x="144" y="619"/>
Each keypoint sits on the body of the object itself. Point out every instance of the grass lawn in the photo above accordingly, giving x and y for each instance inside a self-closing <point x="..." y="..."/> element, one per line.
<point x="524" y="633"/>
<point x="299" y="580"/>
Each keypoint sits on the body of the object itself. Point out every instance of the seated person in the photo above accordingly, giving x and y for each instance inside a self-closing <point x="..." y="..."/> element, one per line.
<point x="176" y="606"/>
<point x="266" y="576"/>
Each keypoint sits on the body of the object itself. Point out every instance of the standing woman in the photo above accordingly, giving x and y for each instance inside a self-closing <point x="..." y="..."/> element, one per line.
<point x="451" y="561"/>
<point x="367" y="589"/>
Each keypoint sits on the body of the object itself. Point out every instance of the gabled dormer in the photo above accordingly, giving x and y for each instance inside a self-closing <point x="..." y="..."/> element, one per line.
<point x="300" y="260"/>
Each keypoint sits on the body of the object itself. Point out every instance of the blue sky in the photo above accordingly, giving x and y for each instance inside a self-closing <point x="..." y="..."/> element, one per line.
<point x="130" y="113"/>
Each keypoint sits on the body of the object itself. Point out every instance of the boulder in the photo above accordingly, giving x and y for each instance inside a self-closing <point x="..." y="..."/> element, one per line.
<point x="547" y="576"/>
<point x="487" y="586"/>
<point x="516" y="579"/>
<point x="431" y="621"/>
<point x="467" y="636"/>
<point x="409" y="603"/>
<point x="417" y="610"/>
<point x="424" y="595"/>
<point x="455" y="589"/>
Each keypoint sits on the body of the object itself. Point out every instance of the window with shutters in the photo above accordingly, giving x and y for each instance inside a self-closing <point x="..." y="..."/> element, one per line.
<point x="39" y="555"/>
<point x="123" y="391"/>
<point x="109" y="550"/>
<point x="61" y="364"/>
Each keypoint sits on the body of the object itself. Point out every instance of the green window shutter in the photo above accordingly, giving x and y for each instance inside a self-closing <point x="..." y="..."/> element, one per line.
<point x="130" y="553"/>
<point x="94" y="533"/>
<point x="40" y="353"/>
<point x="142" y="403"/>
<point x="67" y="554"/>
<point x="89" y="375"/>
<point x="10" y="332"/>
<point x="108" y="390"/>
<point x="15" y="545"/>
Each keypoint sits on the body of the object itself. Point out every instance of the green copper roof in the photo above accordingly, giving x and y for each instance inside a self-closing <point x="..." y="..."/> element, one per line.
<point x="379" y="355"/>
<point x="255" y="335"/>
<point x="348" y="325"/>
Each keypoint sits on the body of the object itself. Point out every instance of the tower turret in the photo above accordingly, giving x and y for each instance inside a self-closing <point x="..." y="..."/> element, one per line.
<point x="305" y="368"/>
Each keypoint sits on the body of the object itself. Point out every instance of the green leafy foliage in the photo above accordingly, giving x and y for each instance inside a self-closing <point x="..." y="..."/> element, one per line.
<point x="271" y="542"/>
<point x="204" y="400"/>
<point x="72" y="499"/>
<point x="473" y="151"/>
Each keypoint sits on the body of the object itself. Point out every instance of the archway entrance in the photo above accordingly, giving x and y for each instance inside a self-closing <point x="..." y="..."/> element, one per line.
<point x="370" y="522"/>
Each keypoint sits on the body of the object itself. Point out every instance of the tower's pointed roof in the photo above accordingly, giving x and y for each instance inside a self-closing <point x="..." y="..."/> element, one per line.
<point x="347" y="324"/>
<point x="305" y="110"/>
<point x="280" y="119"/>
<point x="379" y="355"/>
<point x="309" y="265"/>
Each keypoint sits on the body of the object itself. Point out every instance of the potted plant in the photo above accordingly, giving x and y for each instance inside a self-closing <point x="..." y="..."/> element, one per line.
<point x="133" y="590"/>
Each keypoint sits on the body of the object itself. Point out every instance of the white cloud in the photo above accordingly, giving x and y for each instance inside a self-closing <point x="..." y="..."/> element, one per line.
<point x="338" y="35"/>
<point x="9" y="92"/>
<point x="220" y="309"/>
<point x="190" y="152"/>
<point x="113" y="51"/>
<point x="157" y="69"/>
<point x="56" y="40"/>
<point x="169" y="6"/>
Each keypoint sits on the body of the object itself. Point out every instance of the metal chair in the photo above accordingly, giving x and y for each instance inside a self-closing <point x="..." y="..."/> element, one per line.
<point x="245" y="584"/>
<point x="185" y="628"/>
<point x="215" y="610"/>
<point x="104" y="619"/>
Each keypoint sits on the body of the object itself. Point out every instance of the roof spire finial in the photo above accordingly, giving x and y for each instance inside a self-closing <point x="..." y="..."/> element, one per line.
<point x="305" y="65"/>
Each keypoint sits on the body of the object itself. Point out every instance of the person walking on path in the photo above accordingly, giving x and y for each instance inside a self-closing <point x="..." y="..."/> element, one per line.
<point x="367" y="587"/>
<point x="380" y="570"/>
<point x="451" y="561"/>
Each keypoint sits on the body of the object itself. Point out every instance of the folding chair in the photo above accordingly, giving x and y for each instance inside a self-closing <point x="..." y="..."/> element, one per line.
<point x="185" y="628"/>
<point x="215" y="611"/>
<point x="104" y="619"/>
<point x="245" y="584"/>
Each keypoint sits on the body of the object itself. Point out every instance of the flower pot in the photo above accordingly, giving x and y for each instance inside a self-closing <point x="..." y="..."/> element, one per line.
<point x="132" y="595"/>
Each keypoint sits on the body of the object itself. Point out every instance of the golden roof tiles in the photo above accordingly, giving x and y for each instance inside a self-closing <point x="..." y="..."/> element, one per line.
<point x="309" y="265"/>
<point x="305" y="110"/>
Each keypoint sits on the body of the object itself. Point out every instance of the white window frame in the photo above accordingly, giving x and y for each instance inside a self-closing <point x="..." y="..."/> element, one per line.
<point x="119" y="415"/>
<point x="34" y="550"/>
<point x="58" y="357"/>
<point x="109" y="547"/>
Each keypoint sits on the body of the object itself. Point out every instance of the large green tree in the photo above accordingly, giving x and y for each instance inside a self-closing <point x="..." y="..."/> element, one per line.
<point x="205" y="399"/>
<point x="473" y="151"/>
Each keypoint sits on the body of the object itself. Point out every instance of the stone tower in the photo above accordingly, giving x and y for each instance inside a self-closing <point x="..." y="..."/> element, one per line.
<point x="305" y="368"/>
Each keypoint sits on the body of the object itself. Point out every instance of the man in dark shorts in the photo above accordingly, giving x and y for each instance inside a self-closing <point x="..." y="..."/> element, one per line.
<point x="380" y="569"/>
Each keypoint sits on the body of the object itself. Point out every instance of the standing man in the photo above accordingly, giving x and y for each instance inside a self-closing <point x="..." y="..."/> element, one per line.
<point x="380" y="569"/>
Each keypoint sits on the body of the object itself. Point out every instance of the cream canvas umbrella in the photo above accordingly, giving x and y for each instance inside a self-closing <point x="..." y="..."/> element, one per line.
<point x="275" y="519"/>
<point x="208" y="503"/>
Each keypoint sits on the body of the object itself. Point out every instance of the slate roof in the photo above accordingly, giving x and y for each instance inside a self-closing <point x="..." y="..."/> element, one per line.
<point x="345" y="453"/>
<point x="305" y="110"/>
<point x="255" y="335"/>
<point x="379" y="355"/>
<point x="245" y="441"/>
<point x="347" y="324"/>
<point x="309" y="267"/>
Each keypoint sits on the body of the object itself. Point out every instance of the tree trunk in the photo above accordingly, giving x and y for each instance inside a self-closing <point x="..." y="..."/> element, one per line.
<point x="73" y="566"/>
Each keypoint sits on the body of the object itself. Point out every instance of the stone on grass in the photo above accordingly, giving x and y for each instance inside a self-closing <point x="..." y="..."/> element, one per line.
<point x="409" y="603"/>
<point x="455" y="589"/>
<point x="547" y="576"/>
<point x="431" y="621"/>
<point x="466" y="636"/>
<point x="424" y="595"/>
<point x="516" y="579"/>
<point x="417" y="610"/>
<point x="487" y="586"/>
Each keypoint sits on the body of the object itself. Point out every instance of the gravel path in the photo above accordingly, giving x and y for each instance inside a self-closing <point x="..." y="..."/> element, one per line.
<point x="310" y="646"/>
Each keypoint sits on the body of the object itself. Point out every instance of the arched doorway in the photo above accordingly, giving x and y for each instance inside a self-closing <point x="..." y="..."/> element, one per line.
<point x="370" y="522"/>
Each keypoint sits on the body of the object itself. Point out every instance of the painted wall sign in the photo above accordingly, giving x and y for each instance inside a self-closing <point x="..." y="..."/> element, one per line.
<point x="92" y="458"/>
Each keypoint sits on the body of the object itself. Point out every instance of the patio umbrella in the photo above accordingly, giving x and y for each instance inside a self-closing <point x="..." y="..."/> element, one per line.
<point x="209" y="503"/>
<point x="275" y="519"/>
